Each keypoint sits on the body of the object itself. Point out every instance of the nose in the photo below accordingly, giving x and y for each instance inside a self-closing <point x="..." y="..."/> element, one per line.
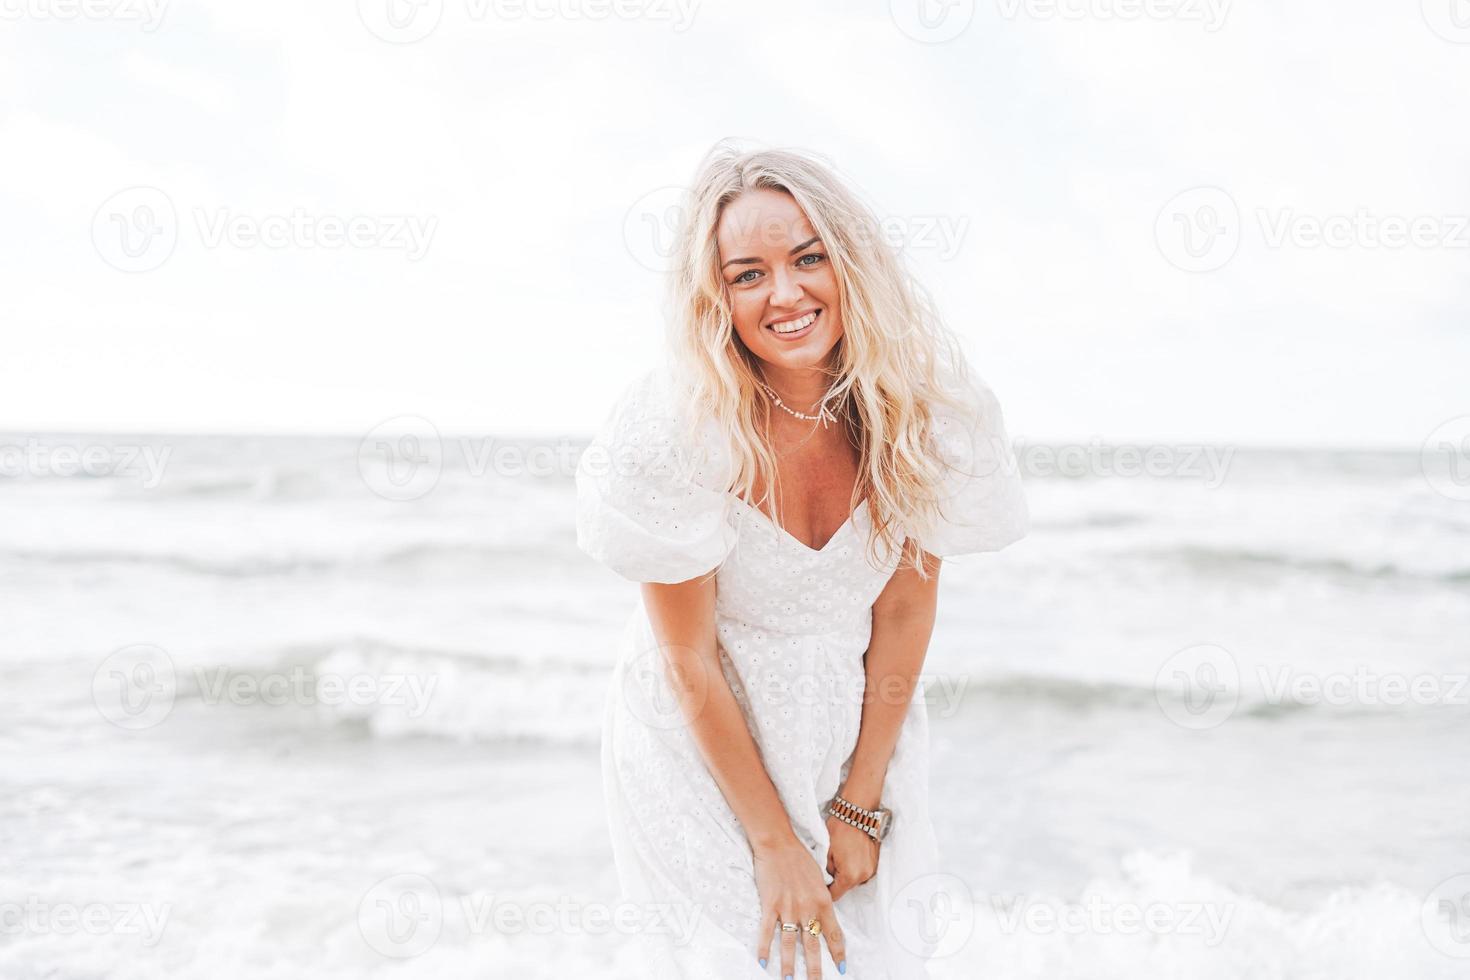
<point x="785" y="290"/>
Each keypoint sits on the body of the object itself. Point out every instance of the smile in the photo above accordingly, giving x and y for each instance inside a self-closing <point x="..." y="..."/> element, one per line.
<point x="792" y="329"/>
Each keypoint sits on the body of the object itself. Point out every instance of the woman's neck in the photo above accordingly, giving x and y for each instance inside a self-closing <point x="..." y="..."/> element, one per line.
<point x="800" y="388"/>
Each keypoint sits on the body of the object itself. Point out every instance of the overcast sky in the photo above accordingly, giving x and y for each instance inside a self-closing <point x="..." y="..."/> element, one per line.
<point x="1207" y="221"/>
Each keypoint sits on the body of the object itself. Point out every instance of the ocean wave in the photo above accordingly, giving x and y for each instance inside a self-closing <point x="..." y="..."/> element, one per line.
<point x="1096" y="520"/>
<point x="1200" y="561"/>
<point x="386" y="690"/>
<point x="1207" y="561"/>
<point x="1152" y="914"/>
<point x="259" y="486"/>
<point x="1157" y="916"/>
<point x="469" y="696"/>
<point x="415" y="555"/>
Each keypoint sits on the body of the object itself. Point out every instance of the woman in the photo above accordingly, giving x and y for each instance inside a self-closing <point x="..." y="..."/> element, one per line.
<point x="784" y="489"/>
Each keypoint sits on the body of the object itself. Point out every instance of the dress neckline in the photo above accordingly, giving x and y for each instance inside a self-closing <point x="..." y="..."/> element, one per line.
<point x="851" y="519"/>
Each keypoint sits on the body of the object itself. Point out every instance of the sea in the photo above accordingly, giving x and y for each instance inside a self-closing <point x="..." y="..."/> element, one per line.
<point x="289" y="707"/>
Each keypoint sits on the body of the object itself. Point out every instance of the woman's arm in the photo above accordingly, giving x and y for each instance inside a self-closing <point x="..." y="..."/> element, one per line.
<point x="903" y="619"/>
<point x="683" y="621"/>
<point x="788" y="880"/>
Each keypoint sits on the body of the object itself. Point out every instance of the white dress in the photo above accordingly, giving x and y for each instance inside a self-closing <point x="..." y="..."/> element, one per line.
<point x="792" y="627"/>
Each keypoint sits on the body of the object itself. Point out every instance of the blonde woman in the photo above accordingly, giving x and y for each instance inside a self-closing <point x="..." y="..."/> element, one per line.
<point x="784" y="487"/>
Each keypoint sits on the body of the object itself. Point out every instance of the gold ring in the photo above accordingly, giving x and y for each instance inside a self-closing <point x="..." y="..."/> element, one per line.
<point x="789" y="927"/>
<point x="814" y="927"/>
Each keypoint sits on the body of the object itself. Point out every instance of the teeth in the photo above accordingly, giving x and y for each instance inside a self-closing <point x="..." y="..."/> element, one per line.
<point x="791" y="326"/>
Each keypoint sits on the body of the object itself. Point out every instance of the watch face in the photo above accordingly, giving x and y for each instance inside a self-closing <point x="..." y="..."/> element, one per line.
<point x="885" y="823"/>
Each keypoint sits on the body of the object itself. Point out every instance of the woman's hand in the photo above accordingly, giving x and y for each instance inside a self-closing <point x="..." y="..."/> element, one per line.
<point x="791" y="888"/>
<point x="852" y="857"/>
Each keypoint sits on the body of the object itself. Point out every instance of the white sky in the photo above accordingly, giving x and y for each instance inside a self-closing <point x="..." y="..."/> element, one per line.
<point x="522" y="144"/>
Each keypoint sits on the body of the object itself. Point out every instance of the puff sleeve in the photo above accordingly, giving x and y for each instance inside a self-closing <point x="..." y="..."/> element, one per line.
<point x="982" y="504"/>
<point x="650" y="506"/>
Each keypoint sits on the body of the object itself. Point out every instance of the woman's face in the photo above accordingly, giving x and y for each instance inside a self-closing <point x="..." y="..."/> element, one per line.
<point x="778" y="275"/>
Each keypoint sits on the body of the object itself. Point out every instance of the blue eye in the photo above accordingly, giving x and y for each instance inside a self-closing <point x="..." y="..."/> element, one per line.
<point x="802" y="262"/>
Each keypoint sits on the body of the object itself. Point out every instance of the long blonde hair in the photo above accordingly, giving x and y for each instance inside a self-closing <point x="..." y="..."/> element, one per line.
<point x="895" y="362"/>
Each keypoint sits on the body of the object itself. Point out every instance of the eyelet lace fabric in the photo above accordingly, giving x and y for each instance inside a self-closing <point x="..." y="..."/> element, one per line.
<point x="792" y="626"/>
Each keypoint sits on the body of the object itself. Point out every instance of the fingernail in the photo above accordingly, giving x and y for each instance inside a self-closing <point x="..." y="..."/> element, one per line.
<point x="842" y="967"/>
<point x="763" y="962"/>
<point x="788" y="976"/>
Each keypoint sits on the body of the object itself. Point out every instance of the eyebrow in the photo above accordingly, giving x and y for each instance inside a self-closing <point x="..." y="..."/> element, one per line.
<point x="804" y="245"/>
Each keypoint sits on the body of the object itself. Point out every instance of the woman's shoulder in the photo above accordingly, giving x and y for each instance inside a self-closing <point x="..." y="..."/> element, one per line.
<point x="969" y="420"/>
<point x="982" y="501"/>
<point x="651" y="500"/>
<point x="652" y="419"/>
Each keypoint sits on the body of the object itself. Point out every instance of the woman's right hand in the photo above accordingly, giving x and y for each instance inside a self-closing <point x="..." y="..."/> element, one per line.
<point x="792" y="889"/>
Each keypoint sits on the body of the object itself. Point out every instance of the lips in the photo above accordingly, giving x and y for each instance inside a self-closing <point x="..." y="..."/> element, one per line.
<point x="808" y="319"/>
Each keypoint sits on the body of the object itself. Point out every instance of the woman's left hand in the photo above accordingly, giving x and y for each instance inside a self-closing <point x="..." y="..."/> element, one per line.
<point x="852" y="856"/>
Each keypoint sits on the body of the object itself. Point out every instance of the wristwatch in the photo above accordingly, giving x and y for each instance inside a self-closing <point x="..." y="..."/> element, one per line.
<point x="875" y="823"/>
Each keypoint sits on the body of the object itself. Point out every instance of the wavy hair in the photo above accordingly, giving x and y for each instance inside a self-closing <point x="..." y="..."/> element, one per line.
<point x="894" y="363"/>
